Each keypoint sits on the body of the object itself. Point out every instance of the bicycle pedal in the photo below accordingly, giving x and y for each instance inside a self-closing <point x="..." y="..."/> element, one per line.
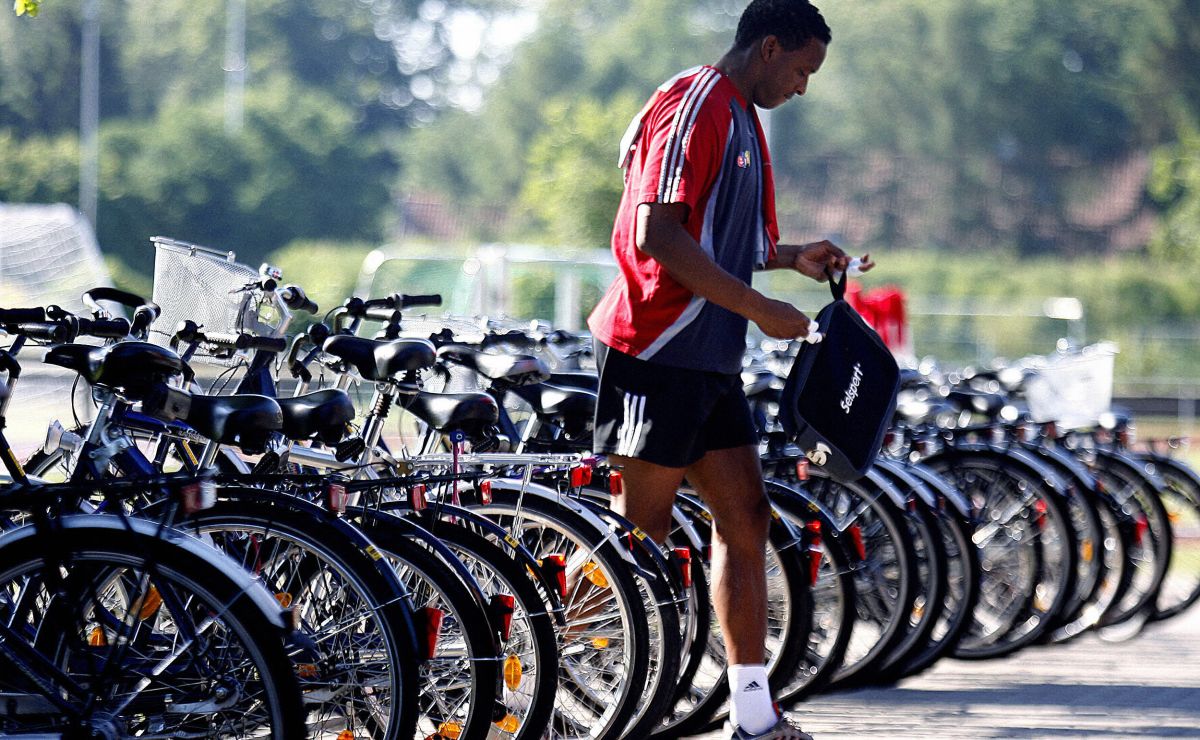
<point x="349" y="448"/>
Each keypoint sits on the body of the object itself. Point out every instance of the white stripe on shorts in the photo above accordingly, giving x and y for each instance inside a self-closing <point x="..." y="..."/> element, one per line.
<point x="631" y="427"/>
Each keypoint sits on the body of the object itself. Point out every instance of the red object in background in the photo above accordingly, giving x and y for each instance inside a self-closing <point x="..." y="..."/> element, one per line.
<point x="883" y="309"/>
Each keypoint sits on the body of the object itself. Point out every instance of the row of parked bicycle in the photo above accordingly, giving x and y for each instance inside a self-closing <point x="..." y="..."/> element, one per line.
<point x="188" y="564"/>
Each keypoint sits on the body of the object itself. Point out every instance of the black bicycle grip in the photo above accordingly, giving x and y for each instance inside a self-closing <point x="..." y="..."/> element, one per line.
<point x="264" y="344"/>
<point x="294" y="298"/>
<point x="143" y="316"/>
<point x="430" y="299"/>
<point x="49" y="331"/>
<point x="104" y="328"/>
<point x="22" y="315"/>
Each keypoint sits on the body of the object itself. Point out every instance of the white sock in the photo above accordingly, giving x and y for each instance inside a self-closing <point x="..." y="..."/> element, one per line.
<point x="750" y="706"/>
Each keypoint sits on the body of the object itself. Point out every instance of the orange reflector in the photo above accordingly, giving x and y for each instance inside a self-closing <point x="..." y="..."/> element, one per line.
<point x="1087" y="551"/>
<point x="502" y="606"/>
<point x="284" y="599"/>
<point x="97" y="638"/>
<point x="599" y="642"/>
<point x="508" y="723"/>
<point x="616" y="484"/>
<point x="150" y="603"/>
<point x="429" y="621"/>
<point x="449" y="731"/>
<point x="306" y="670"/>
<point x="345" y="735"/>
<point x="485" y="492"/>
<point x="859" y="546"/>
<point x="513" y="672"/>
<point x="417" y="497"/>
<point x="683" y="556"/>
<point x="595" y="574"/>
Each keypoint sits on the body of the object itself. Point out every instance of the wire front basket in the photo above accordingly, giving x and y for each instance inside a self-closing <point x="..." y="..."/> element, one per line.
<point x="209" y="287"/>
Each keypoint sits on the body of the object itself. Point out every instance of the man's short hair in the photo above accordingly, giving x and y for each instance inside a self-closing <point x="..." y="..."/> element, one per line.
<point x="793" y="22"/>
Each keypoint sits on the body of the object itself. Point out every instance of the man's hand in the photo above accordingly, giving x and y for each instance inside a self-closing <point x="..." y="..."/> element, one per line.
<point x="812" y="259"/>
<point x="779" y="319"/>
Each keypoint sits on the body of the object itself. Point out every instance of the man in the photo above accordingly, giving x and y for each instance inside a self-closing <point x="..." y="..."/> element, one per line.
<point x="696" y="219"/>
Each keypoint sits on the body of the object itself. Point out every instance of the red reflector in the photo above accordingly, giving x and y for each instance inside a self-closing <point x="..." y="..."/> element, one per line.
<point x="503" y="606"/>
<point x="1141" y="525"/>
<point x="859" y="547"/>
<point x="555" y="568"/>
<point x="197" y="496"/>
<point x="429" y="622"/>
<point x="616" y="485"/>
<point x="802" y="469"/>
<point x="683" y="556"/>
<point x="485" y="492"/>
<point x="814" y="566"/>
<point x="814" y="531"/>
<point x="417" y="497"/>
<point x="580" y="476"/>
<point x="335" y="497"/>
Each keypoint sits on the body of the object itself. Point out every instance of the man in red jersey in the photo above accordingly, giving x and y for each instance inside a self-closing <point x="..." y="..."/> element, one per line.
<point x="697" y="218"/>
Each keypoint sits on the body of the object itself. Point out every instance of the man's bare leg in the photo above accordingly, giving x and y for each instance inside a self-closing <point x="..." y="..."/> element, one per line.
<point x="730" y="482"/>
<point x="649" y="494"/>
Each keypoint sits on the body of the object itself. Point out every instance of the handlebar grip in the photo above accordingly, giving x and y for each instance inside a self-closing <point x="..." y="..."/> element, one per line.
<point x="294" y="298"/>
<point x="22" y="315"/>
<point x="105" y="328"/>
<point x="51" y="332"/>
<point x="265" y="344"/>
<point x="143" y="316"/>
<point x="225" y="341"/>
<point x="430" y="299"/>
<point x="382" y="314"/>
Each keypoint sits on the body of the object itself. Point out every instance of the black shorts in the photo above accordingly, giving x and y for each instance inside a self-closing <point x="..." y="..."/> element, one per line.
<point x="665" y="415"/>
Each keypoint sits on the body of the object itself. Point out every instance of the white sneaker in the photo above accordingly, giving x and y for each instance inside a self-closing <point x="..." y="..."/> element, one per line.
<point x="782" y="730"/>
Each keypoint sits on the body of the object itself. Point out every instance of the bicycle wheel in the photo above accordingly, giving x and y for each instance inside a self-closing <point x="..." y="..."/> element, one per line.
<point x="604" y="640"/>
<point x="355" y="646"/>
<point x="1140" y="494"/>
<point x="953" y="518"/>
<point x="1181" y="498"/>
<point x="884" y="566"/>
<point x="1027" y="547"/>
<point x="528" y="644"/>
<point x="831" y="593"/>
<point x="111" y="629"/>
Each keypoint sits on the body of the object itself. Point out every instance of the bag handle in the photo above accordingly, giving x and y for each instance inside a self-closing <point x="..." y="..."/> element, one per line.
<point x="837" y="285"/>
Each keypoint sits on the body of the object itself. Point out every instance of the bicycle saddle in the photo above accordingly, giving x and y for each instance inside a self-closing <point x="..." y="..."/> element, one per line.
<point x="322" y="413"/>
<point x="586" y="381"/>
<point x="379" y="360"/>
<point x="549" y="400"/>
<point x="510" y="368"/>
<point x="245" y="420"/>
<point x="446" y="412"/>
<point x="133" y="368"/>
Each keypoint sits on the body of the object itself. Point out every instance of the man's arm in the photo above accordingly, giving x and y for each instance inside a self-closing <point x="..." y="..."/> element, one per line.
<point x="811" y="259"/>
<point x="661" y="234"/>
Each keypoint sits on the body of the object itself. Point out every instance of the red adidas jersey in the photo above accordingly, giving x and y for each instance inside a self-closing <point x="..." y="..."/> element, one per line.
<point x="697" y="142"/>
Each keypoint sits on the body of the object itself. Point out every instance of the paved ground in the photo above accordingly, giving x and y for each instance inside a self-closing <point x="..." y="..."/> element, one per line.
<point x="1146" y="687"/>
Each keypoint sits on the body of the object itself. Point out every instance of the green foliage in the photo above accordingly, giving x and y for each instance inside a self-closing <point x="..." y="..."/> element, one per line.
<point x="1175" y="186"/>
<point x="574" y="187"/>
<point x="26" y="7"/>
<point x="40" y="169"/>
<point x="297" y="167"/>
